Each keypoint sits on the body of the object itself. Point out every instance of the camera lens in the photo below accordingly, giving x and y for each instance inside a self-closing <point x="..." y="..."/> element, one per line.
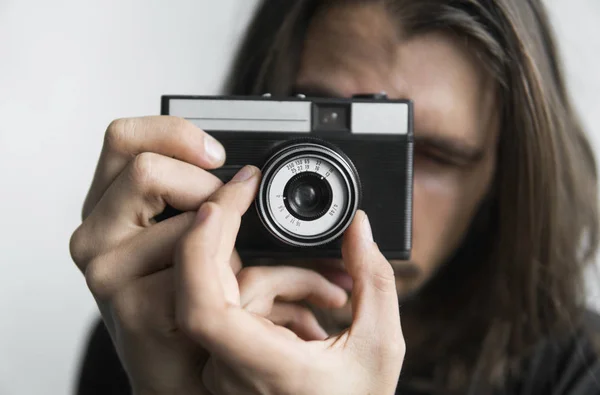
<point x="308" y="196"/>
<point x="309" y="193"/>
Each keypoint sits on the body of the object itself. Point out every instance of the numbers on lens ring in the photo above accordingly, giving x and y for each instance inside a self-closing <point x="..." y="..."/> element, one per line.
<point x="329" y="172"/>
<point x="281" y="208"/>
<point x="292" y="167"/>
<point x="295" y="221"/>
<point x="295" y="167"/>
<point x="334" y="209"/>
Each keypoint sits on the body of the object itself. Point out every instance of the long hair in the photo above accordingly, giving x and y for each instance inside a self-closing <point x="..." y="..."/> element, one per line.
<point x="518" y="275"/>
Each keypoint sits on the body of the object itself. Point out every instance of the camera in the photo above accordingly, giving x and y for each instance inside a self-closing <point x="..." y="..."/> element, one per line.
<point x="321" y="159"/>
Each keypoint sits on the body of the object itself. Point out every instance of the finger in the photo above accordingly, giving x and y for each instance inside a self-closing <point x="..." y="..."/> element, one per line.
<point x="235" y="198"/>
<point x="148" y="252"/>
<point x="165" y="135"/>
<point x="143" y="190"/>
<point x="376" y="316"/>
<point x="202" y="258"/>
<point x="298" y="319"/>
<point x="207" y="297"/>
<point x="261" y="286"/>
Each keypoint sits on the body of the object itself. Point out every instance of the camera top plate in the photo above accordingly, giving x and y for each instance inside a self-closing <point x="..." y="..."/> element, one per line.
<point x="360" y="115"/>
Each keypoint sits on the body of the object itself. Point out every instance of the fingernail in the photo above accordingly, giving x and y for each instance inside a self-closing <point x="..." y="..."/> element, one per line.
<point x="366" y="229"/>
<point x="202" y="214"/>
<point x="213" y="148"/>
<point x="244" y="174"/>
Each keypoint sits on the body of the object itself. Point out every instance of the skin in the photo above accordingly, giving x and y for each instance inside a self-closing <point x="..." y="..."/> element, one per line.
<point x="186" y="317"/>
<point x="356" y="49"/>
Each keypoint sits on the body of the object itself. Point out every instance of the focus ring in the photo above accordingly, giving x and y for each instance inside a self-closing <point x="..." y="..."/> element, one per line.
<point x="295" y="158"/>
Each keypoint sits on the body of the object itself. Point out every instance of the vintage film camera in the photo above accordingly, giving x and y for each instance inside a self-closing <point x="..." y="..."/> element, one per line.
<point x="321" y="160"/>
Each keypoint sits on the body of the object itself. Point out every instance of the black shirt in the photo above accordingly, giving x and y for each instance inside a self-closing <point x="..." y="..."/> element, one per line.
<point x="566" y="366"/>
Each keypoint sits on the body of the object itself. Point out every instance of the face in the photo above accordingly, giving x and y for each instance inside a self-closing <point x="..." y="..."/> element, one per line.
<point x="357" y="49"/>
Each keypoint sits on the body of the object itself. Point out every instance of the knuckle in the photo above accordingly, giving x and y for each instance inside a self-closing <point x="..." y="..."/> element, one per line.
<point x="401" y="347"/>
<point x="383" y="278"/>
<point x="98" y="278"/>
<point x="213" y="208"/>
<point x="178" y="129"/>
<point x="177" y="124"/>
<point x="250" y="277"/>
<point x="118" y="132"/>
<point x="79" y="247"/>
<point x="143" y="170"/>
<point x="394" y="349"/>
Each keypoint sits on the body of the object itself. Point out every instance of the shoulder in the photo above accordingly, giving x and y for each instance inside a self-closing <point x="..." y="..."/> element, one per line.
<point x="568" y="364"/>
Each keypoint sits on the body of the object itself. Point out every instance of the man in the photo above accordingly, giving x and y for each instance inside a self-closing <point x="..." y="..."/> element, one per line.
<point x="505" y="219"/>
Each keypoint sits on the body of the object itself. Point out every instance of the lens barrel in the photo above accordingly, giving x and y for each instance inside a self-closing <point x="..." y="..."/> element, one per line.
<point x="309" y="193"/>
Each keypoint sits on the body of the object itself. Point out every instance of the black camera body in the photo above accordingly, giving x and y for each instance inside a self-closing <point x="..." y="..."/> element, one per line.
<point x="321" y="160"/>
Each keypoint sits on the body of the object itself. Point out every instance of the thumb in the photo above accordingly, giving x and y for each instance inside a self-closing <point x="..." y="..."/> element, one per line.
<point x="375" y="310"/>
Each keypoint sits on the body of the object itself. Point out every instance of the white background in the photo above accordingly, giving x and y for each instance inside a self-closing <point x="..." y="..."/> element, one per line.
<point x="67" y="68"/>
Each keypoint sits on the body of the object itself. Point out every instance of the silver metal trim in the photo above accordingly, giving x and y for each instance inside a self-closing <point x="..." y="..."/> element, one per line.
<point x="380" y="118"/>
<point x="370" y="118"/>
<point x="245" y="115"/>
<point x="260" y="204"/>
<point x="345" y="186"/>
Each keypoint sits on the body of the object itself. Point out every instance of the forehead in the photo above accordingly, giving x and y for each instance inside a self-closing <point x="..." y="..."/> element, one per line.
<point x="336" y="31"/>
<point x="360" y="49"/>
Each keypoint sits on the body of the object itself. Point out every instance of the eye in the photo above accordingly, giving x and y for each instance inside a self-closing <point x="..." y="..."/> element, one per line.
<point x="435" y="157"/>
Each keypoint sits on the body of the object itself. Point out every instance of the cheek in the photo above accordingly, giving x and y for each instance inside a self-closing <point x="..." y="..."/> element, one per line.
<point x="435" y="185"/>
<point x="443" y="205"/>
<point x="435" y="203"/>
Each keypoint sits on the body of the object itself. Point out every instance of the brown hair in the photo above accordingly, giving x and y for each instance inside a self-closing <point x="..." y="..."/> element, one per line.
<point x="518" y="275"/>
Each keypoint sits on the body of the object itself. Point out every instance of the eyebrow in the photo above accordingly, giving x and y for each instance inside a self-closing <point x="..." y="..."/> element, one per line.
<point x="454" y="148"/>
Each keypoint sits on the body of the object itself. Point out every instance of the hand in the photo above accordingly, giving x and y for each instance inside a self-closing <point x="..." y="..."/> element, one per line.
<point x="127" y="259"/>
<point x="145" y="164"/>
<point x="249" y="354"/>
